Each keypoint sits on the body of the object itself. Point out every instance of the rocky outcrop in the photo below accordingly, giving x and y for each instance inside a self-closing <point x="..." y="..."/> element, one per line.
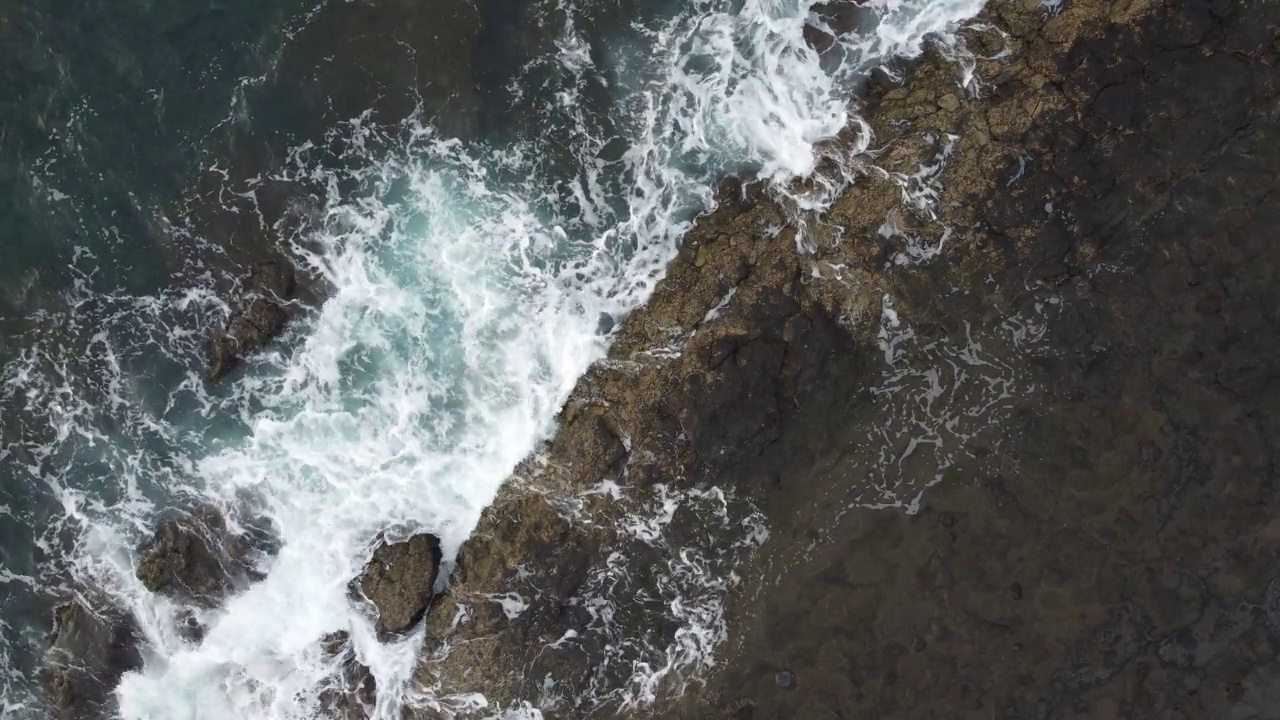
<point x="353" y="691"/>
<point x="197" y="558"/>
<point x="398" y="581"/>
<point x="262" y="310"/>
<point x="1009" y="419"/>
<point x="699" y="383"/>
<point x="90" y="650"/>
<point x="1111" y="188"/>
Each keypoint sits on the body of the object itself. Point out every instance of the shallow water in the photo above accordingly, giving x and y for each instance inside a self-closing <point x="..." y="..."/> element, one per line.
<point x="482" y="186"/>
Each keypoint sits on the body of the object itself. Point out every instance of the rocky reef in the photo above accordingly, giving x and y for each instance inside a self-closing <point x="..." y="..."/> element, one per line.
<point x="261" y="315"/>
<point x="1007" y="416"/>
<point x="354" y="691"/>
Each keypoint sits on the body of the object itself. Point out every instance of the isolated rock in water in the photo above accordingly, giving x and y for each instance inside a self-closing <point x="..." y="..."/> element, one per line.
<point x="353" y="690"/>
<point x="90" y="651"/>
<point x="196" y="558"/>
<point x="398" y="580"/>
<point x="261" y="316"/>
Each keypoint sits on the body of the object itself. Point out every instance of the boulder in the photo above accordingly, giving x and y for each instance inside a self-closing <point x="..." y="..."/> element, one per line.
<point x="196" y="558"/>
<point x="91" y="649"/>
<point x="398" y="582"/>
<point x="260" y="317"/>
<point x="353" y="691"/>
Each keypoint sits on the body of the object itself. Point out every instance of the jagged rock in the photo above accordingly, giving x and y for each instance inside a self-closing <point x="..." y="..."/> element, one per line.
<point x="261" y="317"/>
<point x="1101" y="547"/>
<point x="398" y="582"/>
<point x="195" y="557"/>
<point x="353" y="692"/>
<point x="91" y="649"/>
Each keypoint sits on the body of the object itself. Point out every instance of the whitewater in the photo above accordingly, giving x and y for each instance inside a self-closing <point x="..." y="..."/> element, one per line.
<point x="469" y="285"/>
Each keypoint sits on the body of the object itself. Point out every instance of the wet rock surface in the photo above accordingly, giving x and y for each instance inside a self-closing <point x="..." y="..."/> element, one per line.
<point x="196" y="557"/>
<point x="90" y="649"/>
<point x="398" y="581"/>
<point x="1009" y="421"/>
<point x="261" y="314"/>
<point x="354" y="691"/>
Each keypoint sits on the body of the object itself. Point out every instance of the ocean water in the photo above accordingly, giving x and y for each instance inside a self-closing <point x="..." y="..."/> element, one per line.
<point x="479" y="192"/>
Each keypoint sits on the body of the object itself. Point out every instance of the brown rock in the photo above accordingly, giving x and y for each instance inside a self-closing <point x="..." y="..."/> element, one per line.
<point x="196" y="558"/>
<point x="398" y="582"/>
<point x="91" y="649"/>
<point x="1129" y="479"/>
<point x="353" y="691"/>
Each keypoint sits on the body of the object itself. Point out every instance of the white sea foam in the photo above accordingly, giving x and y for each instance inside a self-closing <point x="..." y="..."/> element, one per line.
<point x="464" y="306"/>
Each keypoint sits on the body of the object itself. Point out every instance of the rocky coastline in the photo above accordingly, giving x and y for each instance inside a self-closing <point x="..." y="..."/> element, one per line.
<point x="997" y="443"/>
<point x="1008" y="423"/>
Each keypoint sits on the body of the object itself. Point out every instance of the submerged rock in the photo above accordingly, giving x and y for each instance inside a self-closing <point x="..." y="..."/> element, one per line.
<point x="189" y="627"/>
<point x="91" y="649"/>
<point x="195" y="557"/>
<point x="261" y="316"/>
<point x="832" y="19"/>
<point x="398" y="582"/>
<point x="354" y="691"/>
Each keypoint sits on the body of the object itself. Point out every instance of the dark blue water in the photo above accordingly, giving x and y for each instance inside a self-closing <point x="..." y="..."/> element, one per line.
<point x="107" y="110"/>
